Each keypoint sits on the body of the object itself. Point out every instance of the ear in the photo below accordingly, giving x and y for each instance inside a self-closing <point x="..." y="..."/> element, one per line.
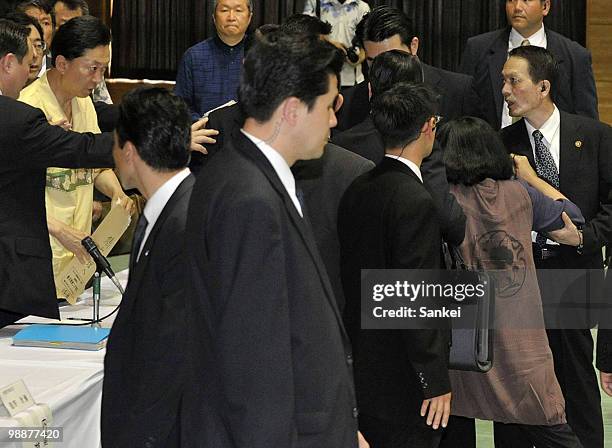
<point x="427" y="127"/>
<point x="414" y="45"/>
<point x="545" y="89"/>
<point x="129" y="152"/>
<point x="291" y="110"/>
<point x="7" y="62"/>
<point x="545" y="7"/>
<point x="61" y="64"/>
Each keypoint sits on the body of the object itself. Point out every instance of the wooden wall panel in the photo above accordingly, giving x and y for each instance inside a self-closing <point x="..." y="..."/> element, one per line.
<point x="120" y="86"/>
<point x="599" y="41"/>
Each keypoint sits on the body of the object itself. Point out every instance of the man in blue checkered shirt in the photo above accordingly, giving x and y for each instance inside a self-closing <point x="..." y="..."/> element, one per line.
<point x="209" y="73"/>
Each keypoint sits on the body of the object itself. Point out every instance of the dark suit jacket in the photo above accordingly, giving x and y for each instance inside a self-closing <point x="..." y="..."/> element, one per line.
<point x="145" y="364"/>
<point x="585" y="177"/>
<point x="457" y="98"/>
<point x="604" y="334"/>
<point x="387" y="220"/>
<point x="272" y="361"/>
<point x="323" y="182"/>
<point x="484" y="58"/>
<point x="365" y="140"/>
<point x="28" y="145"/>
<point x="108" y="115"/>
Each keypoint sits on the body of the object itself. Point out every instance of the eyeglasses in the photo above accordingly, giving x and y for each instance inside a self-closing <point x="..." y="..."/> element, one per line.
<point x="40" y="46"/>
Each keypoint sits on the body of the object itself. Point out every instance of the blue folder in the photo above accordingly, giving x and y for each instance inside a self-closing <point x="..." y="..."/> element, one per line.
<point x="62" y="336"/>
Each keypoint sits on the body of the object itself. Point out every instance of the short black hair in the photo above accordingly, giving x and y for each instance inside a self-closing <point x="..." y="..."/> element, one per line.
<point x="260" y="31"/>
<point x="23" y="19"/>
<point x="392" y="67"/>
<point x="400" y="113"/>
<point x="78" y="35"/>
<point x="382" y="23"/>
<point x="158" y="124"/>
<point x="13" y="39"/>
<point x="542" y="64"/>
<point x="40" y="4"/>
<point x="73" y="5"/>
<point x="281" y="65"/>
<point x="304" y="23"/>
<point x="473" y="152"/>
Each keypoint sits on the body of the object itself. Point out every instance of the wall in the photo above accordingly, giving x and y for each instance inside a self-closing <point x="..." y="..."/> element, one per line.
<point x="599" y="41"/>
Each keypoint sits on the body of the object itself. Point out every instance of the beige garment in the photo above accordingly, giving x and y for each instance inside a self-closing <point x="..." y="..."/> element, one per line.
<point x="522" y="386"/>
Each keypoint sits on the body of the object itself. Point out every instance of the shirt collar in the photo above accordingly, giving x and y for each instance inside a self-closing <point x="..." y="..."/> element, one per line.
<point x="337" y="3"/>
<point x="225" y="47"/>
<point x="409" y="163"/>
<point x="549" y="128"/>
<point x="537" y="39"/>
<point x="159" y="199"/>
<point x="280" y="167"/>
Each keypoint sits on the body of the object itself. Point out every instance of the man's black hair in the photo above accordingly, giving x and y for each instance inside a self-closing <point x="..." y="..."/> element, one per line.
<point x="279" y="66"/>
<point x="382" y="23"/>
<point x="78" y="35"/>
<point x="303" y="23"/>
<point x="73" y="5"/>
<point x="400" y="113"/>
<point x="542" y="64"/>
<point x="392" y="67"/>
<point x="43" y="5"/>
<point x="13" y="39"/>
<point x="25" y="20"/>
<point x="158" y="124"/>
<point x="473" y="152"/>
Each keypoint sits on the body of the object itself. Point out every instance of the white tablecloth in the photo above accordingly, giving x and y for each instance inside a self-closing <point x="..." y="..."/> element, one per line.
<point x="69" y="381"/>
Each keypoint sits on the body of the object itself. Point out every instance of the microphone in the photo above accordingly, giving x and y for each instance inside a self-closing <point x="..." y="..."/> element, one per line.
<point x="101" y="261"/>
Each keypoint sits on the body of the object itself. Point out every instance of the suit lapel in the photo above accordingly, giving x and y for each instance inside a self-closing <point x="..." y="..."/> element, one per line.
<point x="140" y="268"/>
<point x="570" y="151"/>
<point x="249" y="150"/>
<point x="553" y="44"/>
<point x="498" y="54"/>
<point x="517" y="141"/>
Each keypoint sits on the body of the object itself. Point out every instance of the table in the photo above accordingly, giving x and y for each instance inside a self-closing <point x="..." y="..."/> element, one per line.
<point x="69" y="381"/>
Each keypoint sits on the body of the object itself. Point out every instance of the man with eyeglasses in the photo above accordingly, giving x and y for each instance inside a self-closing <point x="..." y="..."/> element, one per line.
<point x="36" y="38"/>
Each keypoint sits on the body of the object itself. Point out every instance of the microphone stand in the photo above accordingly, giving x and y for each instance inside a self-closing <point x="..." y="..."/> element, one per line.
<point x="96" y="299"/>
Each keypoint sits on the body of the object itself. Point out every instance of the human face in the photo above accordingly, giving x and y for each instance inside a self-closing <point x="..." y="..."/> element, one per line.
<point x="64" y="14"/>
<point x="122" y="166"/>
<point x="524" y="97"/>
<point x="232" y="18"/>
<point x="36" y="40"/>
<point x="17" y="72"/>
<point x="373" y="49"/>
<point x="316" y="122"/>
<point x="526" y="16"/>
<point x="81" y="75"/>
<point x="45" y="22"/>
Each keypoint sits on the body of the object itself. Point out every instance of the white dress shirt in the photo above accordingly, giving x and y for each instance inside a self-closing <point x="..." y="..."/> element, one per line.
<point x="552" y="139"/>
<point x="280" y="167"/>
<point x="515" y="40"/>
<point x="156" y="203"/>
<point x="409" y="163"/>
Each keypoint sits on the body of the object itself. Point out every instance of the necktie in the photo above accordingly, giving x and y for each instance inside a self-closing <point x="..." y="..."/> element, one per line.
<point x="139" y="233"/>
<point x="525" y="43"/>
<point x="546" y="169"/>
<point x="300" y="197"/>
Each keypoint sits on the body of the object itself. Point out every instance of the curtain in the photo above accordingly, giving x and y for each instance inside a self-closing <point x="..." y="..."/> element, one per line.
<point x="150" y="36"/>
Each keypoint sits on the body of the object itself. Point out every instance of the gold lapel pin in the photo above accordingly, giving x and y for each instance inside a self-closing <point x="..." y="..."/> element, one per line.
<point x="578" y="144"/>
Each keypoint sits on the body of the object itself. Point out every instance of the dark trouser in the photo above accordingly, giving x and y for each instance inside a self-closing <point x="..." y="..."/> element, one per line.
<point x="384" y="434"/>
<point x="557" y="436"/>
<point x="461" y="433"/>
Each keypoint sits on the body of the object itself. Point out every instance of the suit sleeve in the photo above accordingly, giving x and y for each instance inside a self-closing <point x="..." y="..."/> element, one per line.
<point x="411" y="248"/>
<point x="584" y="90"/>
<point x="598" y="231"/>
<point x="253" y="333"/>
<point x="41" y="145"/>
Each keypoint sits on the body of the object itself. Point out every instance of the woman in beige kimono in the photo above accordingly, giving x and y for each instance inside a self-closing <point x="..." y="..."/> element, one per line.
<point x="81" y="54"/>
<point x="501" y="212"/>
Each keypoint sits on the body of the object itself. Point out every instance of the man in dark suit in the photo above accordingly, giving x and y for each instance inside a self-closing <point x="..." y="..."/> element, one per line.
<point x="573" y="153"/>
<point x="145" y="365"/>
<point x="485" y="55"/>
<point x="271" y="359"/>
<point x="28" y="145"/>
<point x="388" y="69"/>
<point x="388" y="220"/>
<point x="386" y="28"/>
